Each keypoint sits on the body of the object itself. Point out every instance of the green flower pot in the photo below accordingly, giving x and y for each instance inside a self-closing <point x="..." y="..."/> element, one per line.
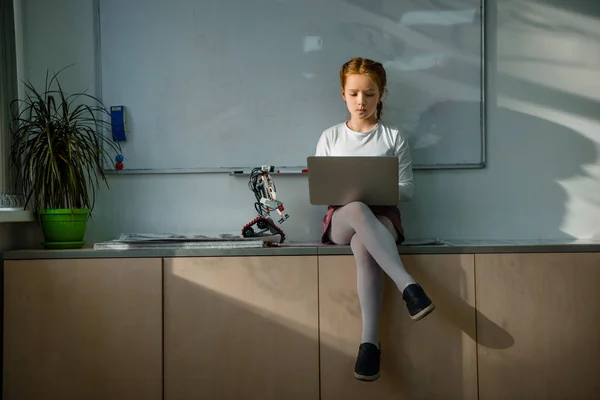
<point x="63" y="228"/>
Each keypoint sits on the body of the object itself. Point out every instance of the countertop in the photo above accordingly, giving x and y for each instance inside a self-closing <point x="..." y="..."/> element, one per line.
<point x="303" y="248"/>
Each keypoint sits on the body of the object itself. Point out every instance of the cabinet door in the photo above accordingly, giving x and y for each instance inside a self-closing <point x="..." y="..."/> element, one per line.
<point x="83" y="329"/>
<point x="540" y="337"/>
<point x="241" y="328"/>
<point x="434" y="358"/>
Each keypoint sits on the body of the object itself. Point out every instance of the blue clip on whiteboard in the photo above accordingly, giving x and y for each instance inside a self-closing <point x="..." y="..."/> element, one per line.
<point x="117" y="119"/>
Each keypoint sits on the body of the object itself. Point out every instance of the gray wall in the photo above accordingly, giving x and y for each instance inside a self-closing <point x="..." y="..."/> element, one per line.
<point x="543" y="174"/>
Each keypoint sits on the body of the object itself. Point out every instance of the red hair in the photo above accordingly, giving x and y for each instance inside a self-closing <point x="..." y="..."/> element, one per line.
<point x="371" y="68"/>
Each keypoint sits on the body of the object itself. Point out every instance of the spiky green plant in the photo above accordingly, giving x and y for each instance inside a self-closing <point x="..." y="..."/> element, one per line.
<point x="59" y="146"/>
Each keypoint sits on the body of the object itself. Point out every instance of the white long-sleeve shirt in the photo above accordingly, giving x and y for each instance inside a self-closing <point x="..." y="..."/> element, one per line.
<point x="382" y="140"/>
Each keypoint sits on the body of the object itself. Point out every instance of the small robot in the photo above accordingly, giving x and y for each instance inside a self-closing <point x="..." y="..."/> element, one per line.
<point x="263" y="188"/>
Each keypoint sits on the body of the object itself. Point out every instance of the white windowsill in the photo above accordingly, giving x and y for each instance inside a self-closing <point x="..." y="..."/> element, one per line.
<point x="8" y="215"/>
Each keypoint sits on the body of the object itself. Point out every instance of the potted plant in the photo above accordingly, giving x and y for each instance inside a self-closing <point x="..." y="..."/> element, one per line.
<point x="59" y="146"/>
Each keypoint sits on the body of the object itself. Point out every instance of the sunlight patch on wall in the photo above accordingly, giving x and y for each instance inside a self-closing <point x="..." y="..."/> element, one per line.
<point x="550" y="47"/>
<point x="443" y="18"/>
<point x="545" y="13"/>
<point x="582" y="208"/>
<point x="582" y="205"/>
<point x="587" y="127"/>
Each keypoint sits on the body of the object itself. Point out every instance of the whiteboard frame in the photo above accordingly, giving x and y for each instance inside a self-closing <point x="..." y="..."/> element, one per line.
<point x="232" y="169"/>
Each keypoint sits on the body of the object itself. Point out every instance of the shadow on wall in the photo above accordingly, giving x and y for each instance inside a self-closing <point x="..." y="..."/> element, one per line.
<point x="523" y="180"/>
<point x="588" y="9"/>
<point x="542" y="141"/>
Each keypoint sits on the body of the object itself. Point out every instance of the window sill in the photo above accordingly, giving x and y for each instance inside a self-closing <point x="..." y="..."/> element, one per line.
<point x="7" y="215"/>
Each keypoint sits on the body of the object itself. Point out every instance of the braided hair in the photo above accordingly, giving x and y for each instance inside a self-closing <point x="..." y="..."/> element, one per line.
<point x="372" y="68"/>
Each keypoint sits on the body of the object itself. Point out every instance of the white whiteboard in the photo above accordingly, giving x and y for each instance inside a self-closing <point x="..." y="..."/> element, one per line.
<point x="209" y="84"/>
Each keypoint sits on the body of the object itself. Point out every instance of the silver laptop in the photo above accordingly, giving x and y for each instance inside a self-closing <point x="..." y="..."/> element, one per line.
<point x="340" y="180"/>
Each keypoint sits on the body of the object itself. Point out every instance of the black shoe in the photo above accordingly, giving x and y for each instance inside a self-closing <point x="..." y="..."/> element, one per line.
<point x="367" y="362"/>
<point x="417" y="302"/>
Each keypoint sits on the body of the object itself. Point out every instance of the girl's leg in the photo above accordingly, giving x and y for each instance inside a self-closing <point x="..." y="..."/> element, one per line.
<point x="357" y="219"/>
<point x="369" y="282"/>
<point x="370" y="290"/>
<point x="373" y="242"/>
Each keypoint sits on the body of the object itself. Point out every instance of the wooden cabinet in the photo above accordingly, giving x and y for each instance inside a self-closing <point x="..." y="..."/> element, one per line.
<point x="539" y="331"/>
<point x="434" y="358"/>
<point x="82" y="329"/>
<point x="241" y="328"/>
<point x="288" y="327"/>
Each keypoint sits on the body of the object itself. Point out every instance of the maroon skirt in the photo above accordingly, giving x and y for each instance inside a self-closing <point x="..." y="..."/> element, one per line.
<point x="391" y="212"/>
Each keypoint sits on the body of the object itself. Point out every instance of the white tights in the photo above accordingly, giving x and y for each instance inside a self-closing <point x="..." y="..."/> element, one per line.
<point x="373" y="242"/>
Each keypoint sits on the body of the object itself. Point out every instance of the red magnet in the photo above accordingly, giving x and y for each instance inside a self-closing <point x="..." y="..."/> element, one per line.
<point x="119" y="166"/>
